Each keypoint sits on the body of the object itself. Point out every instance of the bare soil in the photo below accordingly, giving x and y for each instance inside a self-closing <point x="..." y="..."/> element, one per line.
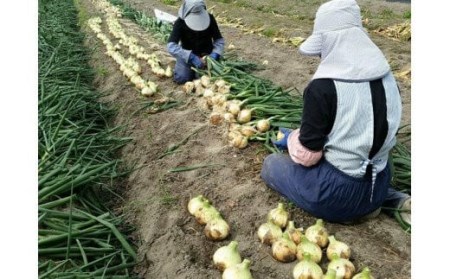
<point x="170" y="243"/>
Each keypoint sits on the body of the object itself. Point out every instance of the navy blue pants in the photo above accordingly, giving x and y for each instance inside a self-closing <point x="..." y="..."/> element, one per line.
<point x="183" y="72"/>
<point x="326" y="192"/>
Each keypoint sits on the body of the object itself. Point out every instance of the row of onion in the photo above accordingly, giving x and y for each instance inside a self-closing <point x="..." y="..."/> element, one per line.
<point x="289" y="243"/>
<point x="206" y="214"/>
<point x="129" y="67"/>
<point x="216" y="98"/>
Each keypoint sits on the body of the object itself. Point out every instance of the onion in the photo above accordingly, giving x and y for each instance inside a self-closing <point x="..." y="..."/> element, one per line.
<point x="188" y="87"/>
<point x="168" y="72"/>
<point x="284" y="249"/>
<point x="295" y="234"/>
<point x="198" y="84"/>
<point x="248" y="131"/>
<point x="205" y="80"/>
<point x="338" y="247"/>
<point x="217" y="229"/>
<point x="309" y="247"/>
<point x="280" y="135"/>
<point x="244" y="116"/>
<point x="147" y="91"/>
<point x="307" y="268"/>
<point x="206" y="214"/>
<point x="227" y="256"/>
<point x="268" y="233"/>
<point x="215" y="118"/>
<point x="224" y="89"/>
<point x="317" y="233"/>
<point x="229" y="117"/>
<point x="234" y="107"/>
<point x="279" y="216"/>
<point x="331" y="274"/>
<point x="238" y="271"/>
<point x="220" y="83"/>
<point x="196" y="203"/>
<point x="365" y="274"/>
<point x="263" y="125"/>
<point x="344" y="268"/>
<point x="219" y="99"/>
<point x="238" y="140"/>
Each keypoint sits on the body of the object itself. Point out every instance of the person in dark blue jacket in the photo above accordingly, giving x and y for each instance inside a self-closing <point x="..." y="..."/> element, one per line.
<point x="195" y="35"/>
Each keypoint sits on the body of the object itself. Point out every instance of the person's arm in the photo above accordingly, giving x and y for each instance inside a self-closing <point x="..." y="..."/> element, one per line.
<point x="173" y="46"/>
<point x="218" y="40"/>
<point x="306" y="144"/>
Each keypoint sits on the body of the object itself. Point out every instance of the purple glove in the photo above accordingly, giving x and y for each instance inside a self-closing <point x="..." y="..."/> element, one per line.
<point x="282" y="143"/>
<point x="196" y="61"/>
<point x="214" y="56"/>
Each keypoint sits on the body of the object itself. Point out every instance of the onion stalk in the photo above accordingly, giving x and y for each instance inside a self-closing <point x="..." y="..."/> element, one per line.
<point x="365" y="274"/>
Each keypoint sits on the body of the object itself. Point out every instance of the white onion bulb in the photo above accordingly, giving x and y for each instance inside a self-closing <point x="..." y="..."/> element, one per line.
<point x="307" y="268"/>
<point x="268" y="233"/>
<point x="244" y="116"/>
<point x="309" y="247"/>
<point x="196" y="203"/>
<point x="279" y="216"/>
<point x="295" y="234"/>
<point x="365" y="274"/>
<point x="338" y="247"/>
<point x="317" y="233"/>
<point x="227" y="256"/>
<point x="284" y="249"/>
<point x="238" y="271"/>
<point x="217" y="229"/>
<point x="263" y="125"/>
<point x="344" y="268"/>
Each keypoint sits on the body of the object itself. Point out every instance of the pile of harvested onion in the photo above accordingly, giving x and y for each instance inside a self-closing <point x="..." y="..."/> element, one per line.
<point x="129" y="67"/>
<point x="289" y="243"/>
<point x="205" y="214"/>
<point x="216" y="98"/>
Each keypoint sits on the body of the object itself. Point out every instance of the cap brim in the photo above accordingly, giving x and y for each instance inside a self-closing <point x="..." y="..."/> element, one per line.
<point x="198" y="21"/>
<point x="312" y="45"/>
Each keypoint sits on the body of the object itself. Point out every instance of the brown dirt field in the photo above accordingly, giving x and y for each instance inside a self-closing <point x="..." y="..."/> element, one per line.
<point x="170" y="243"/>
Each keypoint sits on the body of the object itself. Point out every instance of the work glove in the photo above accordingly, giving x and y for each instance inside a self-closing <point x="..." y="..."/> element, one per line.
<point x="196" y="61"/>
<point x="283" y="142"/>
<point x="214" y="56"/>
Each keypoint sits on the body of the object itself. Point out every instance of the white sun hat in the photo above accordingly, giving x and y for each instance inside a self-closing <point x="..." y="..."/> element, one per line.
<point x="345" y="48"/>
<point x="194" y="13"/>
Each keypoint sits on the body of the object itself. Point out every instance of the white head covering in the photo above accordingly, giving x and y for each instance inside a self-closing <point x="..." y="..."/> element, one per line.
<point x="194" y="13"/>
<point x="347" y="53"/>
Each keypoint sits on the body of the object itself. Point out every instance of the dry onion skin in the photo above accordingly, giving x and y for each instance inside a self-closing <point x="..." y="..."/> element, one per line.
<point x="307" y="268"/>
<point x="338" y="247"/>
<point x="317" y="233"/>
<point x="344" y="268"/>
<point x="295" y="234"/>
<point x="227" y="256"/>
<point x="279" y="216"/>
<point x="309" y="247"/>
<point x="268" y="233"/>
<point x="217" y="229"/>
<point x="238" y="271"/>
<point x="284" y="249"/>
<point x="365" y="274"/>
